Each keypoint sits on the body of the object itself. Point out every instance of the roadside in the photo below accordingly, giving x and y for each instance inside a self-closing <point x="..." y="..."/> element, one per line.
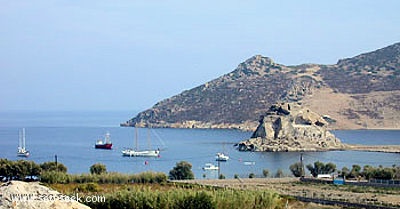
<point x="295" y="188"/>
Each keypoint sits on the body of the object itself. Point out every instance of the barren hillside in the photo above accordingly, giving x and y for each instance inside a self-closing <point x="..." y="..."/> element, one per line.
<point x="358" y="92"/>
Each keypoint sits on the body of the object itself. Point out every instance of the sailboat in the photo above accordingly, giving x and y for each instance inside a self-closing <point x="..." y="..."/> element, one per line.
<point x="140" y="153"/>
<point x="106" y="144"/>
<point x="220" y="156"/>
<point x="22" y="152"/>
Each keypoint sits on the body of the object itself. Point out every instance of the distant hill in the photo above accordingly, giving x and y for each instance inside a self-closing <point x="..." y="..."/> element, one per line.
<point x="358" y="92"/>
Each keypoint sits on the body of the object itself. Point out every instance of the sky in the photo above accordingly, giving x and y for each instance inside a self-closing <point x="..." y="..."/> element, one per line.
<point x="100" y="55"/>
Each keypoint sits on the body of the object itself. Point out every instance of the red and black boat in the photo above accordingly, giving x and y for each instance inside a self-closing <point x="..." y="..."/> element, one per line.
<point x="104" y="144"/>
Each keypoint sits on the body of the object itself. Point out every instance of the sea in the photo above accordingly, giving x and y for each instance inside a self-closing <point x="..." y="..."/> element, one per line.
<point x="70" y="137"/>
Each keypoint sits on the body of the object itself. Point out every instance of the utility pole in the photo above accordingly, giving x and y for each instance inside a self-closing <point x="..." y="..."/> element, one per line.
<point x="219" y="168"/>
<point x="302" y="165"/>
<point x="55" y="157"/>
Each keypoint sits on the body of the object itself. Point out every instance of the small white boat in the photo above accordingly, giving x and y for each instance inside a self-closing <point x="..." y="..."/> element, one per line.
<point x="22" y="152"/>
<point x="249" y="163"/>
<point x="221" y="157"/>
<point x="210" y="166"/>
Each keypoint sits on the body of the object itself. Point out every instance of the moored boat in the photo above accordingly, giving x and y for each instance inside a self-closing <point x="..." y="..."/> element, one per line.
<point x="22" y="152"/>
<point x="221" y="157"/>
<point x="145" y="153"/>
<point x="129" y="152"/>
<point x="210" y="166"/>
<point x="104" y="144"/>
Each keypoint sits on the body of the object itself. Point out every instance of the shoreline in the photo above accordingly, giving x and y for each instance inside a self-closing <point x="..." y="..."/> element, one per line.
<point x="246" y="129"/>
<point x="373" y="148"/>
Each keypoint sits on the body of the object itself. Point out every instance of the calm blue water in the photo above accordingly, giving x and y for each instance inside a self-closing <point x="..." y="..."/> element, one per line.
<point x="71" y="136"/>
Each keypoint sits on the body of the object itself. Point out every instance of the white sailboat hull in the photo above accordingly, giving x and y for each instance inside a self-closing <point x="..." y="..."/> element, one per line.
<point x="210" y="166"/>
<point x="221" y="157"/>
<point x="144" y="153"/>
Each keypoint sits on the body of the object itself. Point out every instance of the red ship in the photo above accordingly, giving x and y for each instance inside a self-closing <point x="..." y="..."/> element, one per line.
<point x="104" y="144"/>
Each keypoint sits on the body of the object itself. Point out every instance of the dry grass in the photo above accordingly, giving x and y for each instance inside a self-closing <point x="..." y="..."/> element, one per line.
<point x="293" y="187"/>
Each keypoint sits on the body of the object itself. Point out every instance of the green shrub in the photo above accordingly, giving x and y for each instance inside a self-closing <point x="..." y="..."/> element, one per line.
<point x="98" y="169"/>
<point x="53" y="166"/>
<point x="182" y="170"/>
<point x="89" y="187"/>
<point x="52" y="177"/>
<point x="200" y="200"/>
<point x="265" y="173"/>
<point x="177" y="197"/>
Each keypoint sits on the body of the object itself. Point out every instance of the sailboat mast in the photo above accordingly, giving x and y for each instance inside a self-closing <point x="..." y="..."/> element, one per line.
<point x="19" y="139"/>
<point x="136" y="138"/>
<point x="148" y="138"/>
<point x="23" y="138"/>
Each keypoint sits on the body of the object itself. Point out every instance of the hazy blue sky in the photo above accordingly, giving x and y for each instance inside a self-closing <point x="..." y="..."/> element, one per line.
<point x="127" y="55"/>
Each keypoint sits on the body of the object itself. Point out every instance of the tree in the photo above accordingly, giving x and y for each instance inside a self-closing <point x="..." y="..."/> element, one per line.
<point x="345" y="172"/>
<point x="321" y="168"/>
<point x="53" y="166"/>
<point x="297" y="169"/>
<point x="355" y="171"/>
<point x="5" y="168"/>
<point x="28" y="168"/>
<point x="98" y="169"/>
<point x="279" y="173"/>
<point x="265" y="173"/>
<point x="18" y="169"/>
<point x="329" y="168"/>
<point x="384" y="173"/>
<point x="368" y="172"/>
<point x="221" y="176"/>
<point x="182" y="170"/>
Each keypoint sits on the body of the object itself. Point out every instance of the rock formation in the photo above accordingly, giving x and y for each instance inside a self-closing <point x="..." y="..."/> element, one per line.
<point x="289" y="127"/>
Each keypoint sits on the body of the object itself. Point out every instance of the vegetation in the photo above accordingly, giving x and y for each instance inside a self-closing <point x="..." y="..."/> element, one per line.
<point x="18" y="170"/>
<point x="297" y="169"/>
<point x="182" y="170"/>
<point x="367" y="172"/>
<point x="98" y="169"/>
<point x="185" y="196"/>
<point x="265" y="173"/>
<point x="279" y="173"/>
<point x="107" y="178"/>
<point x="321" y="168"/>
<point x="53" y="166"/>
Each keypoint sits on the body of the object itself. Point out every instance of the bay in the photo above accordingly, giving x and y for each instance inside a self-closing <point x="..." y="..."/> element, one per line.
<point x="71" y="136"/>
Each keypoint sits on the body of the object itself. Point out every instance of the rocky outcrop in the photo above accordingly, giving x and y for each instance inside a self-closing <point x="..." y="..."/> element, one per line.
<point x="288" y="127"/>
<point x="17" y="194"/>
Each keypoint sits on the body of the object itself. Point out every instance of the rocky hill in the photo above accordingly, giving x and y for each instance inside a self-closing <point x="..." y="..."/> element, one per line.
<point x="358" y="92"/>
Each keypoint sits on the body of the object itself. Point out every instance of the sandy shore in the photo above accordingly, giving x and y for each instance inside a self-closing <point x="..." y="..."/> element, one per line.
<point x="374" y="148"/>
